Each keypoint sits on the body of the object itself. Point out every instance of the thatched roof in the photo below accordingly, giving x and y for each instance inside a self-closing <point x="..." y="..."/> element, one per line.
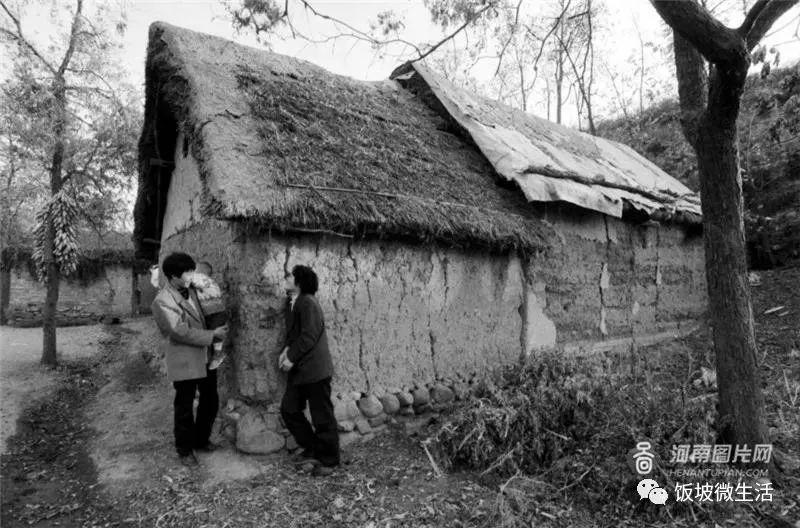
<point x="287" y="145"/>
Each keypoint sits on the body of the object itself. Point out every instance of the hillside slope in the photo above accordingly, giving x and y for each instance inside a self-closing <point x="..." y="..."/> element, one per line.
<point x="769" y="139"/>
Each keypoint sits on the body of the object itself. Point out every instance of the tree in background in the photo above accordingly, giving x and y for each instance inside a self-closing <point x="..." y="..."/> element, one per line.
<point x="22" y="184"/>
<point x="74" y="125"/>
<point x="541" y="51"/>
<point x="711" y="62"/>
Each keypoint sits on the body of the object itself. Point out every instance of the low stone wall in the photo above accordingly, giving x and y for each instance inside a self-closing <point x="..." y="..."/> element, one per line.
<point x="109" y="295"/>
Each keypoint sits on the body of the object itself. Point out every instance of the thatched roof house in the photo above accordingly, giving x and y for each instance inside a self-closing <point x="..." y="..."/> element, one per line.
<point x="106" y="283"/>
<point x="449" y="231"/>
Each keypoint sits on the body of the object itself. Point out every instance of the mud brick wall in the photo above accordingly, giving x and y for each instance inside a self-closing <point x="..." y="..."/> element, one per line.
<point x="78" y="303"/>
<point x="608" y="279"/>
<point x="412" y="328"/>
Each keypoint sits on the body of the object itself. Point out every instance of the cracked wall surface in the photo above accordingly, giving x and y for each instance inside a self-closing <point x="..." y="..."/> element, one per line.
<point x="401" y="315"/>
<point x="609" y="279"/>
<point x="396" y="314"/>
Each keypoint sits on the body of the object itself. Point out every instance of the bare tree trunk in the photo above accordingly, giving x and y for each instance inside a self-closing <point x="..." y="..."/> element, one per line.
<point x="559" y="82"/>
<point x="716" y="145"/>
<point x="547" y="87"/>
<point x="52" y="278"/>
<point x="708" y="118"/>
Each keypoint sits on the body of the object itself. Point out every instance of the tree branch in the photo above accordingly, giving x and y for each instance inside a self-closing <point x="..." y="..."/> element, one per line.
<point x="21" y="39"/>
<point x="512" y="33"/>
<point x="760" y="18"/>
<point x="454" y="33"/>
<point x="73" y="37"/>
<point x="716" y="42"/>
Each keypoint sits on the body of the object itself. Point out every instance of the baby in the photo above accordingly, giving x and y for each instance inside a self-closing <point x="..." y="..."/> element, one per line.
<point x="213" y="305"/>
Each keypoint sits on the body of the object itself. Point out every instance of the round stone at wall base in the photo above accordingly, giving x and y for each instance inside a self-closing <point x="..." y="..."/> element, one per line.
<point x="370" y="406"/>
<point x="291" y="443"/>
<point x="405" y="399"/>
<point x="362" y="426"/>
<point x="421" y="396"/>
<point x="390" y="403"/>
<point x="442" y="394"/>
<point x="254" y="437"/>
<point x="345" y="410"/>
<point x="346" y="426"/>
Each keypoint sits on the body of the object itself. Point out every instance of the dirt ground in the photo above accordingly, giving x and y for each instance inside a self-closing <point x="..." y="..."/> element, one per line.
<point x="93" y="448"/>
<point x="23" y="379"/>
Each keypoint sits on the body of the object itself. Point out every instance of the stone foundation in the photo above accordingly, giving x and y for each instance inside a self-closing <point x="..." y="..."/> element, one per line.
<point x="260" y="430"/>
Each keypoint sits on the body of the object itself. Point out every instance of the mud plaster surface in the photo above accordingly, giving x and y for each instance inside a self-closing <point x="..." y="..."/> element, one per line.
<point x="401" y="314"/>
<point x="395" y="314"/>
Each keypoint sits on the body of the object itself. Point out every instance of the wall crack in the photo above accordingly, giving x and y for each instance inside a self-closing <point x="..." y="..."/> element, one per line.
<point x="604" y="280"/>
<point x="433" y="353"/>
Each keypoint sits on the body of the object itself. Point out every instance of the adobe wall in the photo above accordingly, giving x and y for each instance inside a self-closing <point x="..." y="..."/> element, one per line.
<point x="614" y="282"/>
<point x="414" y="325"/>
<point x="78" y="303"/>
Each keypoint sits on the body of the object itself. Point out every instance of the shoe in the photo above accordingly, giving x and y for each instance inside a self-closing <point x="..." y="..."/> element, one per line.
<point x="305" y="454"/>
<point x="322" y="471"/>
<point x="210" y="447"/>
<point x="189" y="460"/>
<point x="304" y="457"/>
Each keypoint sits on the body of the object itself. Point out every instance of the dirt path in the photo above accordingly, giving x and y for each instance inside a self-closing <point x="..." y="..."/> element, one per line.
<point x="98" y="452"/>
<point x="23" y="379"/>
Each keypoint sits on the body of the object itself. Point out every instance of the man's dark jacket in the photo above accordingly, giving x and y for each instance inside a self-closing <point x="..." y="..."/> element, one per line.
<point x="307" y="342"/>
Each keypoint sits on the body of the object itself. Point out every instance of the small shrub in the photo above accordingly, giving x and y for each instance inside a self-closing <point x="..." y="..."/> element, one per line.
<point x="568" y="424"/>
<point x="526" y="418"/>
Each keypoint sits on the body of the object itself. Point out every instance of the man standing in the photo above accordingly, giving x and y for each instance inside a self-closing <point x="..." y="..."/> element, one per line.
<point x="185" y="346"/>
<point x="307" y="359"/>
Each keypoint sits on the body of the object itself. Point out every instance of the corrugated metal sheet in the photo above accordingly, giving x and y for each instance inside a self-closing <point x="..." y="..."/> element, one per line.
<point x="552" y="162"/>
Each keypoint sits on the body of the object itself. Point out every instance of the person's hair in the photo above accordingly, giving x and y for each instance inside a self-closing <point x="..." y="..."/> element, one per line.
<point x="208" y="265"/>
<point x="305" y="279"/>
<point x="176" y="264"/>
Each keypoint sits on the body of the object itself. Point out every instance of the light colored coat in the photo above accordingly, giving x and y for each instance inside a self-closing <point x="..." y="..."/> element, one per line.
<point x="186" y="339"/>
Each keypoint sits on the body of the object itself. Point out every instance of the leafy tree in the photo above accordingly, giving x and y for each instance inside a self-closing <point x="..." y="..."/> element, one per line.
<point x="74" y="123"/>
<point x="711" y="62"/>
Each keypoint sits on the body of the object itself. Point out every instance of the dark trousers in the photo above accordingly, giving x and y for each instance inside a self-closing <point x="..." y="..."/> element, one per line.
<point x="323" y="440"/>
<point x="191" y="432"/>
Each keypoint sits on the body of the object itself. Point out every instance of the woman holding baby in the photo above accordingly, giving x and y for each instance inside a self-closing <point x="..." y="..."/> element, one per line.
<point x="179" y="314"/>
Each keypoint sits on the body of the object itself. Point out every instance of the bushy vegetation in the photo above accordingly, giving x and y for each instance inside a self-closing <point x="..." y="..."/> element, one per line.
<point x="529" y="418"/>
<point x="564" y="427"/>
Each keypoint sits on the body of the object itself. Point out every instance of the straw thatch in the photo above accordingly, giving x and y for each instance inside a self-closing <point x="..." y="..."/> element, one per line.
<point x="286" y="145"/>
<point x="273" y="137"/>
